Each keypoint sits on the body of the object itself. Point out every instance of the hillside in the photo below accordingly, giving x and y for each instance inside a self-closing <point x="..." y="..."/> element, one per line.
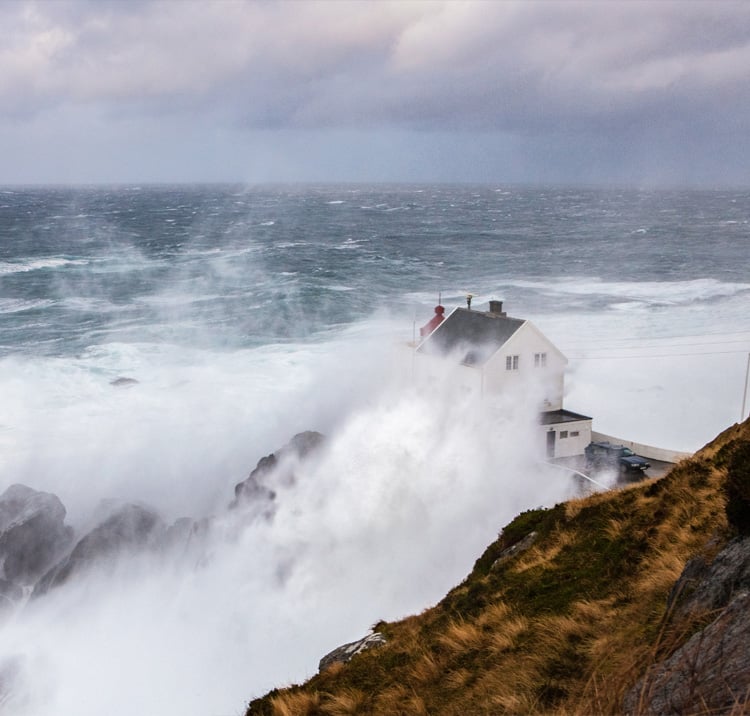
<point x="569" y="620"/>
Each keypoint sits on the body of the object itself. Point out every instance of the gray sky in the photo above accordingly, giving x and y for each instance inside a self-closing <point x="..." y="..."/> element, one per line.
<point x="578" y="92"/>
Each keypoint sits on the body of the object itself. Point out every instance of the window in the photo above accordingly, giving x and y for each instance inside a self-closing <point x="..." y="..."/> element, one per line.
<point x="563" y="434"/>
<point x="540" y="360"/>
<point x="511" y="362"/>
<point x="574" y="433"/>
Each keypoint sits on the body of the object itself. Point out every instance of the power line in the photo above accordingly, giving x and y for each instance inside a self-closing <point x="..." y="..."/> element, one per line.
<point x="745" y="339"/>
<point x="694" y="335"/>
<point x="657" y="355"/>
<point x="674" y="345"/>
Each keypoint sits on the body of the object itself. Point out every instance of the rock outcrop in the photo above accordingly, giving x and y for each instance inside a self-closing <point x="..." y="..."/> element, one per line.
<point x="280" y="465"/>
<point x="131" y="528"/>
<point x="514" y="550"/>
<point x="710" y="673"/>
<point x="33" y="534"/>
<point x="37" y="548"/>
<point x="345" y="653"/>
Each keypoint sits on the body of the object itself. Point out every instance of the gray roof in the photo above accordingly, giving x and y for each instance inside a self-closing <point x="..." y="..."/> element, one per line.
<point x="555" y="417"/>
<point x="475" y="335"/>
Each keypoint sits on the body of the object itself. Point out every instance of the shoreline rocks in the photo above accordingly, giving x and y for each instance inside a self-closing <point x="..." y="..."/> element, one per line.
<point x="33" y="536"/>
<point x="39" y="552"/>
<point x="131" y="528"/>
<point x="280" y="465"/>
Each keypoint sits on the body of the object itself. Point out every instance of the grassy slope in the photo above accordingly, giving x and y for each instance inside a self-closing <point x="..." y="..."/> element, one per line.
<point x="565" y="627"/>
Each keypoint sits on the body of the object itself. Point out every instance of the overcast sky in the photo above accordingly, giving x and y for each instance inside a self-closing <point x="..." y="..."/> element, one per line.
<point x="220" y="90"/>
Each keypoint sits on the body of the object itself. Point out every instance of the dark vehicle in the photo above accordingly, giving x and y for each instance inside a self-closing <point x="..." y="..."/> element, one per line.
<point x="604" y="454"/>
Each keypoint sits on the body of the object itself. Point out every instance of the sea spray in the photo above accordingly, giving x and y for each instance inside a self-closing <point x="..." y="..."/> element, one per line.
<point x="411" y="484"/>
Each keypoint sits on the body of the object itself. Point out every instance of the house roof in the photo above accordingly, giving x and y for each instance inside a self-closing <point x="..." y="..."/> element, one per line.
<point x="556" y="417"/>
<point x="477" y="334"/>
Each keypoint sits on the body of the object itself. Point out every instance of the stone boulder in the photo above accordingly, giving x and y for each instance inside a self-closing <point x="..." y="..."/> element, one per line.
<point x="33" y="534"/>
<point x="704" y="587"/>
<point x="710" y="673"/>
<point x="345" y="653"/>
<point x="130" y="529"/>
<point x="514" y="550"/>
<point x="123" y="382"/>
<point x="279" y="465"/>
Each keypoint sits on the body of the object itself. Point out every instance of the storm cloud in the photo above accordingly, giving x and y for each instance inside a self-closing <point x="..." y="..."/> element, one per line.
<point x="503" y="91"/>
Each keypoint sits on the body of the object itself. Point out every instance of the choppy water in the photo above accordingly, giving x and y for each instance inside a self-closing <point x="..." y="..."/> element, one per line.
<point x="249" y="314"/>
<point x="246" y="267"/>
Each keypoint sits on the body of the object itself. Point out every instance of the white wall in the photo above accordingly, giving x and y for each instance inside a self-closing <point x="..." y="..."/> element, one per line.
<point x="570" y="445"/>
<point x="524" y="343"/>
<point x="649" y="451"/>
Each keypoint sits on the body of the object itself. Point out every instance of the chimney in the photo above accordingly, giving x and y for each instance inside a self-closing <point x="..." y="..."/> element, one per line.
<point x="496" y="308"/>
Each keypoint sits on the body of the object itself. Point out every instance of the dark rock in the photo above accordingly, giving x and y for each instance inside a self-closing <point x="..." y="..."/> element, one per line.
<point x="32" y="533"/>
<point x="123" y="382"/>
<point x="704" y="587"/>
<point x="132" y="528"/>
<point x="517" y="548"/>
<point x="186" y="534"/>
<point x="345" y="653"/>
<point x="254" y="489"/>
<point x="710" y="674"/>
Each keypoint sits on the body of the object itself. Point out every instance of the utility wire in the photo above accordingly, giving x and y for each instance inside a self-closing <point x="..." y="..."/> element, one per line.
<point x="663" y="340"/>
<point x="658" y="343"/>
<point x="745" y="339"/>
<point x="657" y="355"/>
<point x="692" y="335"/>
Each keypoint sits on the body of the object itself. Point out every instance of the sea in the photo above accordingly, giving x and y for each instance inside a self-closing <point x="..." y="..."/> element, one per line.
<point x="157" y="341"/>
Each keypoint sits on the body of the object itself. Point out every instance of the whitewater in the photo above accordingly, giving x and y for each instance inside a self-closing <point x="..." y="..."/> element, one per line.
<point x="245" y="315"/>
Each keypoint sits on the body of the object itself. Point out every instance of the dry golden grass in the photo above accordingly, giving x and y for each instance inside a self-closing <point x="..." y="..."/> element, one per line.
<point x="426" y="669"/>
<point x="457" y="679"/>
<point x="574" y="506"/>
<point x="295" y="703"/>
<point x="392" y="700"/>
<point x="616" y="527"/>
<point x="512" y="703"/>
<point x="661" y="571"/>
<point x="461" y="636"/>
<point x="415" y="706"/>
<point x="493" y="615"/>
<point x="593" y="611"/>
<point x="505" y="637"/>
<point x="542" y="555"/>
<point x="345" y="703"/>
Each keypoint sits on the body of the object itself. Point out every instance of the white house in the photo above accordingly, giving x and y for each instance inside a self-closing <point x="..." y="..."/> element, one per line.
<point x="498" y="353"/>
